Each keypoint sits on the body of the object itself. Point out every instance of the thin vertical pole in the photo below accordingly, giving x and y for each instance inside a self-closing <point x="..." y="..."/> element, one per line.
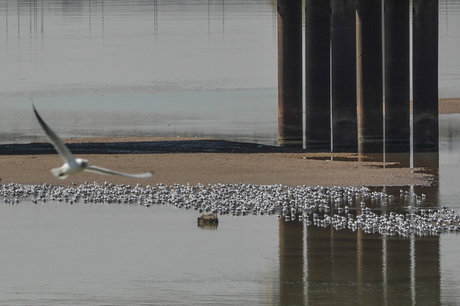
<point x="344" y="116"/>
<point x="425" y="75"/>
<point x="370" y="78"/>
<point x="317" y="74"/>
<point x="290" y="73"/>
<point x="397" y="108"/>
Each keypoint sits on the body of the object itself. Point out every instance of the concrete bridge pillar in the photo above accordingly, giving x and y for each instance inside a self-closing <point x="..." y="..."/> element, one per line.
<point x="317" y="74"/>
<point x="344" y="117"/>
<point x="290" y="73"/>
<point x="344" y="75"/>
<point x="369" y="75"/>
<point x="397" y="109"/>
<point x="425" y="75"/>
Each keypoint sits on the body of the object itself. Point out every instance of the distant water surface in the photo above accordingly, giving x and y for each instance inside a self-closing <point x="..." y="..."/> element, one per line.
<point x="128" y="255"/>
<point x="183" y="59"/>
<point x="117" y="254"/>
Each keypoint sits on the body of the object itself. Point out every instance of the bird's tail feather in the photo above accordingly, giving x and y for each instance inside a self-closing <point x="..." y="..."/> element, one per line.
<point x="58" y="174"/>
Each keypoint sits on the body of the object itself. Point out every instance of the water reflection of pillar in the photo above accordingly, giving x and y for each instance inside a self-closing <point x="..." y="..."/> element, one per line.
<point x="344" y="264"/>
<point x="291" y="262"/>
<point x="397" y="129"/>
<point x="369" y="75"/>
<point x="155" y="18"/>
<point x="370" y="266"/>
<point x="319" y="266"/>
<point x="332" y="266"/>
<point x="344" y="117"/>
<point x="6" y="20"/>
<point x="427" y="271"/>
<point x="102" y="18"/>
<point x="425" y="74"/>
<point x="317" y="74"/>
<point x="19" y="23"/>
<point x="89" y="15"/>
<point x="397" y="272"/>
<point x="43" y="20"/>
<point x="290" y="73"/>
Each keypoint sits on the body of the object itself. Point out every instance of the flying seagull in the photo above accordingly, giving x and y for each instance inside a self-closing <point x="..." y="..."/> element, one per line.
<point x="74" y="165"/>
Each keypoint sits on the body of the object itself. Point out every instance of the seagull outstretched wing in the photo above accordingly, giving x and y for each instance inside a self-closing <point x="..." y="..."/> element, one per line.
<point x="57" y="143"/>
<point x="100" y="170"/>
<point x="72" y="164"/>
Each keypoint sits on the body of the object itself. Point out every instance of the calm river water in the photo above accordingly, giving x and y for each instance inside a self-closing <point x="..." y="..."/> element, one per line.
<point x="191" y="68"/>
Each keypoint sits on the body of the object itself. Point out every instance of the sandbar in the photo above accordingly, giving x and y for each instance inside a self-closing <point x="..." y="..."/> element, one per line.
<point x="291" y="169"/>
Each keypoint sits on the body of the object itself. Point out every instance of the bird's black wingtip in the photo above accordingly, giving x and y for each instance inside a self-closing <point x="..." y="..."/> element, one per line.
<point x="35" y="110"/>
<point x="36" y="113"/>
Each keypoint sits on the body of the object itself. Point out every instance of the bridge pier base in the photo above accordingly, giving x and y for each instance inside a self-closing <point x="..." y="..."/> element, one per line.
<point x="425" y="75"/>
<point x="397" y="90"/>
<point x="344" y="117"/>
<point x="369" y="75"/>
<point x="317" y="74"/>
<point x="290" y="73"/>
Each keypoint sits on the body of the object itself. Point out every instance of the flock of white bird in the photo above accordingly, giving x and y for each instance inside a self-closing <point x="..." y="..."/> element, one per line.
<point x="337" y="207"/>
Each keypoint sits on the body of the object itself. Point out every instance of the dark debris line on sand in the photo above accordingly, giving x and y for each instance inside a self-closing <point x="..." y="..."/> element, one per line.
<point x="147" y="147"/>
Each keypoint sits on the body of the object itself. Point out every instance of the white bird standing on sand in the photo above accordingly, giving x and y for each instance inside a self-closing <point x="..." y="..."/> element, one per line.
<point x="74" y="165"/>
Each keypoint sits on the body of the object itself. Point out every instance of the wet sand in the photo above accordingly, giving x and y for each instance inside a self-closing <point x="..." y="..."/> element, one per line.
<point x="449" y="105"/>
<point x="255" y="168"/>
